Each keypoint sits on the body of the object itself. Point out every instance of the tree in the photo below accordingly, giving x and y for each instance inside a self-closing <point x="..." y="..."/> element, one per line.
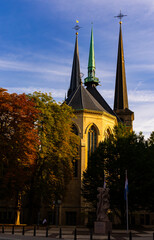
<point x="58" y="146"/>
<point x="18" y="144"/>
<point x="150" y="140"/>
<point x="150" y="143"/>
<point x="123" y="150"/>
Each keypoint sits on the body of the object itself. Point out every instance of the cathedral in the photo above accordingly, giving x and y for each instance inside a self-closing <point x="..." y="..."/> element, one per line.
<point x="94" y="121"/>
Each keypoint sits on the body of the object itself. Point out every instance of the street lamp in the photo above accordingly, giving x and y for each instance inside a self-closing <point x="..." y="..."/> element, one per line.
<point x="57" y="204"/>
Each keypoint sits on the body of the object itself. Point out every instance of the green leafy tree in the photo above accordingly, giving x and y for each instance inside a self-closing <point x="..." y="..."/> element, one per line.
<point x="58" y="146"/>
<point x="123" y="150"/>
<point x="151" y="140"/>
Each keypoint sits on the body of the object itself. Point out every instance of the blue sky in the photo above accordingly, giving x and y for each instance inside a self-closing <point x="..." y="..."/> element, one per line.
<point x="37" y="45"/>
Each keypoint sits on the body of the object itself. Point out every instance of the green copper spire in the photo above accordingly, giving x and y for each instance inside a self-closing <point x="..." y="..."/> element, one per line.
<point x="91" y="63"/>
<point x="91" y="79"/>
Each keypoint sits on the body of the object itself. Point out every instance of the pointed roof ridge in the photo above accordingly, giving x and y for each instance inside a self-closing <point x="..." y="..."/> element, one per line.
<point x="93" y="99"/>
<point x="75" y="76"/>
<point x="82" y="99"/>
<point x="120" y="98"/>
<point x="71" y="97"/>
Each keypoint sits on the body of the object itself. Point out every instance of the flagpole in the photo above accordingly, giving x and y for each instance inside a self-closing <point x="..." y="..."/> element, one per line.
<point x="127" y="202"/>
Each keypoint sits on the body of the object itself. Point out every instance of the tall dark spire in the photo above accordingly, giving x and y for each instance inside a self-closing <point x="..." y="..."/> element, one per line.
<point x="75" y="77"/>
<point x="91" y="79"/>
<point x="120" y="98"/>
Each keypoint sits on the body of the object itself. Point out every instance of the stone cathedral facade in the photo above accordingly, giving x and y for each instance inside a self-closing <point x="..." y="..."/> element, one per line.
<point x="94" y="121"/>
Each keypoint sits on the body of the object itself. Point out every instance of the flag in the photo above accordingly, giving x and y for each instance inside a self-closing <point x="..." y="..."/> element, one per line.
<point x="126" y="188"/>
<point x="104" y="182"/>
<point x="126" y="198"/>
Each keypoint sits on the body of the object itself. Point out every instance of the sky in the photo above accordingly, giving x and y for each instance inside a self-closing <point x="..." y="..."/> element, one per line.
<point x="37" y="44"/>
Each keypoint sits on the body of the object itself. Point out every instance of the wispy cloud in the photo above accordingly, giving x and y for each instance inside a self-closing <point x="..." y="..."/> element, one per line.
<point x="95" y="8"/>
<point x="141" y="96"/>
<point x="141" y="67"/>
<point x="56" y="93"/>
<point x="48" y="71"/>
<point x="136" y="96"/>
<point x="64" y="43"/>
<point x="144" y="118"/>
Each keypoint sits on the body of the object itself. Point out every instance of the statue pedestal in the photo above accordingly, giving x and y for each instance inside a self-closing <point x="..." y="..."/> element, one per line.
<point x="102" y="227"/>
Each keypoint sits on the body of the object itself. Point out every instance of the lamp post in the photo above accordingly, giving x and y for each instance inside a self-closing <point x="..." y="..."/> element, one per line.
<point x="57" y="204"/>
<point x="59" y="212"/>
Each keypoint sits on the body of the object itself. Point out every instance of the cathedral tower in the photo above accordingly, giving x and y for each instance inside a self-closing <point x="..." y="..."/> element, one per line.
<point x="120" y="97"/>
<point x="75" y="76"/>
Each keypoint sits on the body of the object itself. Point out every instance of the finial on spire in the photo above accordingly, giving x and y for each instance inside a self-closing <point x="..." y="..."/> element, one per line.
<point x="77" y="27"/>
<point x="120" y="16"/>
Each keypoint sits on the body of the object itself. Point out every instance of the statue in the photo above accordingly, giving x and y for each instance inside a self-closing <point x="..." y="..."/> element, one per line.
<point x="103" y="204"/>
<point x="102" y="224"/>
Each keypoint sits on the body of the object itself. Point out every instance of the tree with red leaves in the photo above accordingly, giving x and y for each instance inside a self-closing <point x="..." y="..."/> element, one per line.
<point x="18" y="145"/>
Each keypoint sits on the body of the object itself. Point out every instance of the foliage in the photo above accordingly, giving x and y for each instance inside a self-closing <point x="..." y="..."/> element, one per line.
<point x="58" y="146"/>
<point x="18" y="142"/>
<point x="37" y="147"/>
<point x="93" y="177"/>
<point x="123" y="150"/>
<point x="151" y="140"/>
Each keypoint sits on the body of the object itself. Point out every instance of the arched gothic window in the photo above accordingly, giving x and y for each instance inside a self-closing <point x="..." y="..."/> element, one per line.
<point x="107" y="133"/>
<point x="92" y="140"/>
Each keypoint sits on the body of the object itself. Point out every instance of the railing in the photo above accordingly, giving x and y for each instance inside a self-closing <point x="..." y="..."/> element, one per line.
<point x="58" y="232"/>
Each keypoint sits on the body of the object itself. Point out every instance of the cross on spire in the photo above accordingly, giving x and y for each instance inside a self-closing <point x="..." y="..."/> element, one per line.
<point x="120" y="16"/>
<point x="77" y="27"/>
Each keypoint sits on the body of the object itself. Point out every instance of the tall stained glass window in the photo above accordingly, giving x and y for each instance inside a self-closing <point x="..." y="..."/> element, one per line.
<point x="92" y="140"/>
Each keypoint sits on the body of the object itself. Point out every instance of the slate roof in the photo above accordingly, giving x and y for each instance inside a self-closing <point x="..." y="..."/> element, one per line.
<point x="93" y="91"/>
<point x="82" y="99"/>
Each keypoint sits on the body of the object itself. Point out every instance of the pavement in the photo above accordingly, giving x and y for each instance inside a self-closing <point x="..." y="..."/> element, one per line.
<point x="67" y="233"/>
